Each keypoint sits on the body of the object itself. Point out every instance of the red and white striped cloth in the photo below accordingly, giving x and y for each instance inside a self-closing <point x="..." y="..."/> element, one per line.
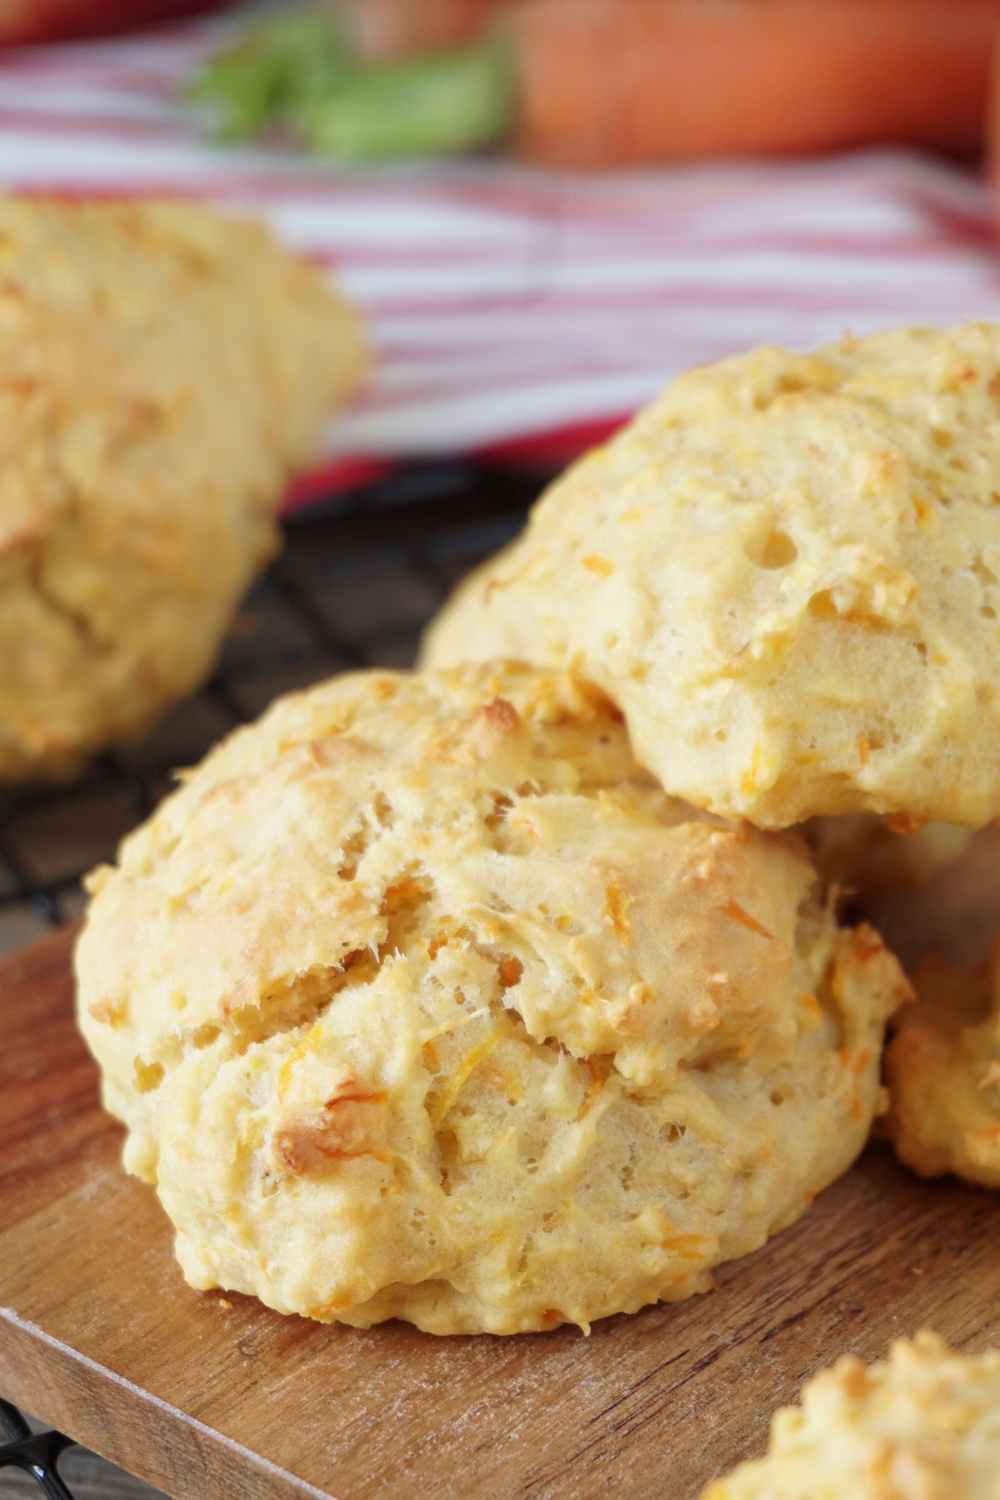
<point x="513" y="309"/>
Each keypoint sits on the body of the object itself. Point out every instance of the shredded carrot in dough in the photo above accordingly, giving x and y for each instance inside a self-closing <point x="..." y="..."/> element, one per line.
<point x="441" y="1106"/>
<point x="736" y="912"/>
<point x="616" y="904"/>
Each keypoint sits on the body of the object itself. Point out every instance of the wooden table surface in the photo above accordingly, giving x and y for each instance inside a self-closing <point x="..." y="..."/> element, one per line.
<point x="207" y="1396"/>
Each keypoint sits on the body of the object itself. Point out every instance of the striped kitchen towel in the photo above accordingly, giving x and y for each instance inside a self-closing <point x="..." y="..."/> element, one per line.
<point x="514" y="310"/>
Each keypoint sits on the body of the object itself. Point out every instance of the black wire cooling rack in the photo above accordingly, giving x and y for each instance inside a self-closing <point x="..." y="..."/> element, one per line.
<point x="357" y="581"/>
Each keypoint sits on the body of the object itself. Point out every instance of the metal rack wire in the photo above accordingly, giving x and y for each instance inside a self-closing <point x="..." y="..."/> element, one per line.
<point x="31" y="1453"/>
<point x="357" y="581"/>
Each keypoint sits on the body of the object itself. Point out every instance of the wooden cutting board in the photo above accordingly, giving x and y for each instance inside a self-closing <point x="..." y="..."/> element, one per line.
<point x="210" y="1396"/>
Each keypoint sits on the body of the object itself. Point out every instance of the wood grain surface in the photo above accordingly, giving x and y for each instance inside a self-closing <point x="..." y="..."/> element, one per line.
<point x="210" y="1396"/>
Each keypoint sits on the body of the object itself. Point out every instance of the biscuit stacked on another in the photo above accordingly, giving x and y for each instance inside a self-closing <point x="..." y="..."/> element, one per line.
<point x="425" y="997"/>
<point x="786" y="572"/>
<point x="164" y="369"/>
<point x="920" y="1426"/>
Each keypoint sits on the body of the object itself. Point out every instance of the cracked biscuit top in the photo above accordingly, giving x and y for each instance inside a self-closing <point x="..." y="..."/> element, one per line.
<point x="921" y="1425"/>
<point x="420" y="998"/>
<point x="163" y="369"/>
<point x="785" y="572"/>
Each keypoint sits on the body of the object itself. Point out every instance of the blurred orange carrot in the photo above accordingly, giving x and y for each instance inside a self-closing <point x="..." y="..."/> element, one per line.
<point x="604" y="82"/>
<point x="598" y="83"/>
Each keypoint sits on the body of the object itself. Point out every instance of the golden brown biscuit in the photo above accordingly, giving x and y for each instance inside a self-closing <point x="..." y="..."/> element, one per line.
<point x="920" y="1426"/>
<point x="943" y="1071"/>
<point x="163" y="371"/>
<point x="421" y="999"/>
<point x="785" y="572"/>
